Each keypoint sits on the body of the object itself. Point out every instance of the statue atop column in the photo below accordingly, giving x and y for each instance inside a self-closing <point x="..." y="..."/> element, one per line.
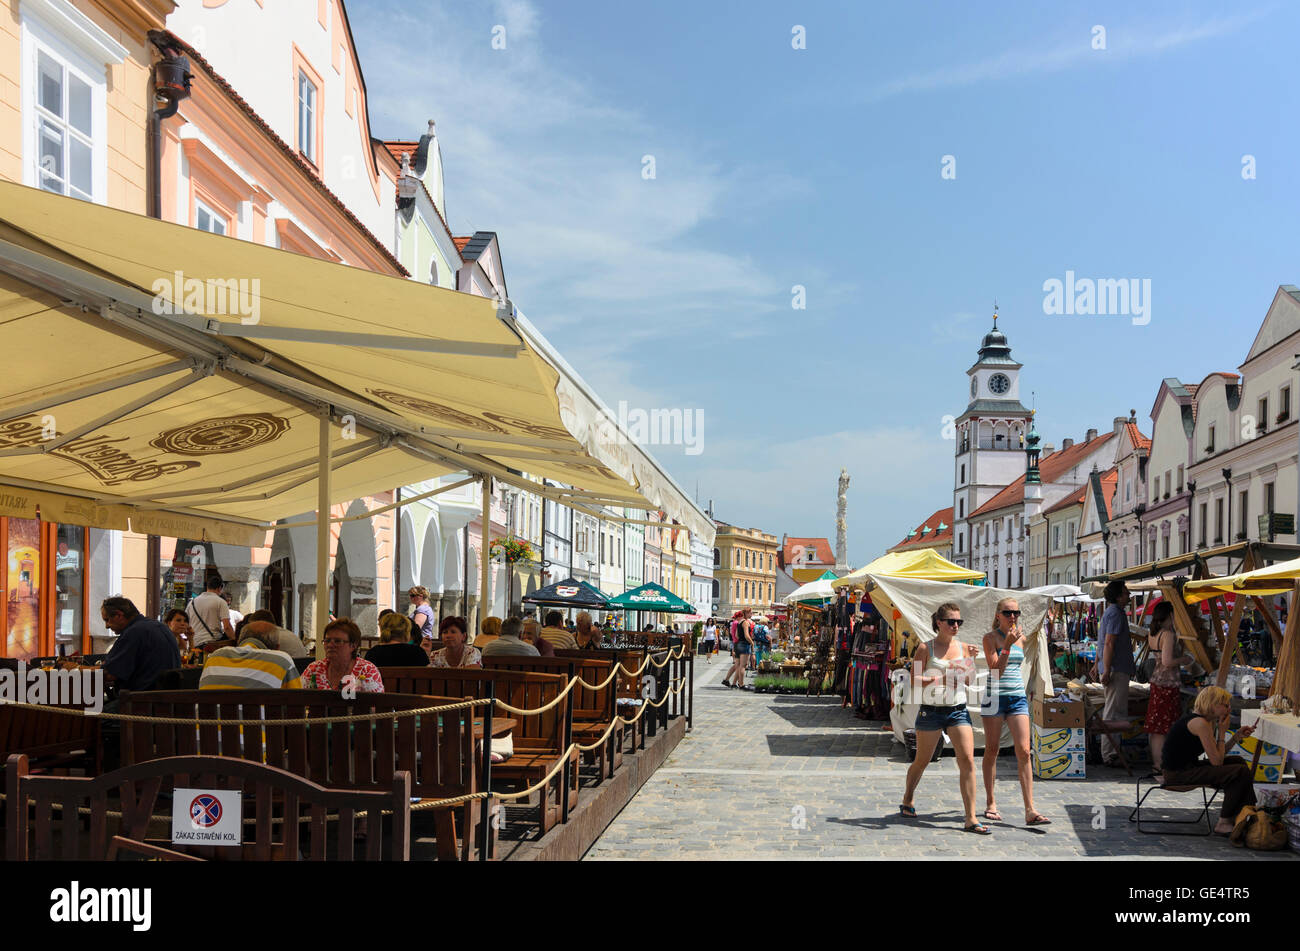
<point x="841" y="526"/>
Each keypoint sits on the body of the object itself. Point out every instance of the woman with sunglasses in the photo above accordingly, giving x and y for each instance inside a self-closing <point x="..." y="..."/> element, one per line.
<point x="1006" y="700"/>
<point x="941" y="669"/>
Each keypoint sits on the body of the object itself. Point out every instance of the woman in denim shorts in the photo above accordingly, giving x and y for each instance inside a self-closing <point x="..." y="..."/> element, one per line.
<point x="941" y="670"/>
<point x="1006" y="700"/>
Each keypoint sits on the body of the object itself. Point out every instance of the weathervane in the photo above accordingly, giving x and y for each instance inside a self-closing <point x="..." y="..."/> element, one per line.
<point x="995" y="313"/>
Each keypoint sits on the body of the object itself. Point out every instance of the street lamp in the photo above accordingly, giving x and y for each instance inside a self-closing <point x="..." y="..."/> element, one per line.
<point x="1191" y="499"/>
<point x="1227" y="487"/>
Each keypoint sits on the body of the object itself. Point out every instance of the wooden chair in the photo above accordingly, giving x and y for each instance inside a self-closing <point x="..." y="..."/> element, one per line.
<point x="274" y="799"/>
<point x="594" y="710"/>
<point x="51" y="740"/>
<point x="539" y="740"/>
<point x="436" y="750"/>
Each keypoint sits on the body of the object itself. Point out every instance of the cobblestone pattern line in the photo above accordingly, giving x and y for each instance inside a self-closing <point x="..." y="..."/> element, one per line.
<point x="766" y="776"/>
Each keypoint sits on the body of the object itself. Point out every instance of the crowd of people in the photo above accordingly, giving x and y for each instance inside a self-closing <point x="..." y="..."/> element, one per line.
<point x="253" y="652"/>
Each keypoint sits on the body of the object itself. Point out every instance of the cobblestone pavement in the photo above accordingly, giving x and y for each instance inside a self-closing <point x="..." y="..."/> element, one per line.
<point x="764" y="776"/>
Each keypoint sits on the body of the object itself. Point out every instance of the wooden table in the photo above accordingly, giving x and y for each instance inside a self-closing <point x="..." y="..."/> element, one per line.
<point x="500" y="726"/>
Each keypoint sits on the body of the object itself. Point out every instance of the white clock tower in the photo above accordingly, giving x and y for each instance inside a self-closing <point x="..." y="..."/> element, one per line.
<point x="990" y="436"/>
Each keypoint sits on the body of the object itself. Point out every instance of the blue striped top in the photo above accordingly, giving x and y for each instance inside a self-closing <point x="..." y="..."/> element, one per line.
<point x="1011" y="683"/>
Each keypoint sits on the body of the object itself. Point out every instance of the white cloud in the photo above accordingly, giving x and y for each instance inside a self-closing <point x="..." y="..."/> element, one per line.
<point x="535" y="152"/>
<point x="899" y="476"/>
<point x="1121" y="43"/>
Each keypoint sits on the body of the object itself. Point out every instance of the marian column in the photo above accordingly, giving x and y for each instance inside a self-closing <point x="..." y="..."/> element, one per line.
<point x="841" y="526"/>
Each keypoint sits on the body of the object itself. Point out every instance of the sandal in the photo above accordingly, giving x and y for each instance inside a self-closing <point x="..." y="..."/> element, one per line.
<point x="908" y="811"/>
<point x="979" y="828"/>
<point x="1038" y="819"/>
<point x="992" y="815"/>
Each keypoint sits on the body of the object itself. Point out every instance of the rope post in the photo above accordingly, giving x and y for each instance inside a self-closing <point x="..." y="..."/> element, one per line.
<point x="651" y="715"/>
<point x="690" y="693"/>
<point x="566" y="774"/>
<point x="485" y="816"/>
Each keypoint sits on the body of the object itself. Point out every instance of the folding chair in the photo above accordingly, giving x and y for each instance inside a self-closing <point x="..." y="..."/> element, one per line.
<point x="1153" y="785"/>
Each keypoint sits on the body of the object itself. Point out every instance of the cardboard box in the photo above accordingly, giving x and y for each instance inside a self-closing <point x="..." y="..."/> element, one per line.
<point x="1272" y="759"/>
<point x="1059" y="766"/>
<point x="1052" y="741"/>
<point x="1058" y="713"/>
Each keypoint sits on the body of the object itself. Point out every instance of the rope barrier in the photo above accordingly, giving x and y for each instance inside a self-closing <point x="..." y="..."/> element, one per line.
<point x="675" y="654"/>
<point x="528" y="713"/>
<point x="228" y="721"/>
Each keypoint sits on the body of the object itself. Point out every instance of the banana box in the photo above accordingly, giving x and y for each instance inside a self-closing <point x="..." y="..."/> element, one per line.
<point x="1048" y="741"/>
<point x="1063" y="765"/>
<point x="1272" y="759"/>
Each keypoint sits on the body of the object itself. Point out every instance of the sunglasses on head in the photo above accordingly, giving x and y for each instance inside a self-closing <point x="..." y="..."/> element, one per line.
<point x="952" y="620"/>
<point x="1011" y="614"/>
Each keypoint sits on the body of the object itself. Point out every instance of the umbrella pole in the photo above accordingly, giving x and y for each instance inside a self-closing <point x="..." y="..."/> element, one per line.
<point x="321" y="608"/>
<point x="483" y="607"/>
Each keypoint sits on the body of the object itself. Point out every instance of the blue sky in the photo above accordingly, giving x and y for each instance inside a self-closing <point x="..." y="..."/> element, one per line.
<point x="821" y="167"/>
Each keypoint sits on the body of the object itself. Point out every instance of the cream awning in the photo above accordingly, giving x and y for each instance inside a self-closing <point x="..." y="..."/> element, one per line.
<point x="205" y="422"/>
<point x="1262" y="582"/>
<point x="923" y="563"/>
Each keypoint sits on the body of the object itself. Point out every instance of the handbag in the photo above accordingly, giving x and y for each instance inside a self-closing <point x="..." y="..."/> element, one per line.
<point x="1256" y="829"/>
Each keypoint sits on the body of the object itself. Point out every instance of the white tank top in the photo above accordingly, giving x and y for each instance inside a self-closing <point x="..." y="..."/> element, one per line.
<point x="948" y="693"/>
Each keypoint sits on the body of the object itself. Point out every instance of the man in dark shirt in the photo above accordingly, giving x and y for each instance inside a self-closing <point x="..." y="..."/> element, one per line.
<point x="143" y="650"/>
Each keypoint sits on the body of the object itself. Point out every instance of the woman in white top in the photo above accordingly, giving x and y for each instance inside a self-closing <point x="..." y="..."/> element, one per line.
<point x="710" y="639"/>
<point x="942" y="690"/>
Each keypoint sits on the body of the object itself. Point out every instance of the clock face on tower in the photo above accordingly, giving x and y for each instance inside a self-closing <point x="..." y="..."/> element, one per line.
<point x="999" y="383"/>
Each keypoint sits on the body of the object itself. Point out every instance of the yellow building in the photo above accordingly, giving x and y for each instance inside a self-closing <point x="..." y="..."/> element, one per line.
<point x="74" y="119"/>
<point x="744" y="569"/>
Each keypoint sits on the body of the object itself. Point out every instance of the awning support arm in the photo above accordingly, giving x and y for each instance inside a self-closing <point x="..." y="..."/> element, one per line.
<point x="371" y="513"/>
<point x="114" y="414"/>
<point x="218" y="328"/>
<point x="95" y="389"/>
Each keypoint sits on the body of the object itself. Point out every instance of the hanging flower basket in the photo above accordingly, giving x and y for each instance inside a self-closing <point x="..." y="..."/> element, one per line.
<point x="512" y="549"/>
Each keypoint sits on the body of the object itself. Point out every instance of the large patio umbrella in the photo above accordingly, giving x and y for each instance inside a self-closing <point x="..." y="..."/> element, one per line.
<point x="569" y="593"/>
<point x="651" y="597"/>
<point x="814" y="592"/>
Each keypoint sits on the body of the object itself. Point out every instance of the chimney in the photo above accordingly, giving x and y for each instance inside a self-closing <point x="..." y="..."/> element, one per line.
<point x="1048" y="450"/>
<point x="1092" y="434"/>
<point x="1119" y="424"/>
<point x="1066" y="444"/>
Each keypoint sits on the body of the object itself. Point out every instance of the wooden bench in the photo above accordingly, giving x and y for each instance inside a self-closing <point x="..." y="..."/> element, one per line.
<point x="52" y="828"/>
<point x="594" y="710"/>
<point x="538" y="740"/>
<point x="437" y="750"/>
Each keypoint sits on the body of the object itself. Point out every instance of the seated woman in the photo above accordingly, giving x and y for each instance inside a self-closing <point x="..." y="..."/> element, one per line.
<point x="454" y="652"/>
<point x="179" y="624"/>
<point x="342" y="643"/>
<point x="489" y="630"/>
<point x="395" y="648"/>
<point x="1201" y="731"/>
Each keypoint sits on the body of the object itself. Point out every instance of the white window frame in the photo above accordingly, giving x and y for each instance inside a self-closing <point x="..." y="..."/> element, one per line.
<point x="307" y="131"/>
<point x="201" y="205"/>
<point x="81" y="47"/>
